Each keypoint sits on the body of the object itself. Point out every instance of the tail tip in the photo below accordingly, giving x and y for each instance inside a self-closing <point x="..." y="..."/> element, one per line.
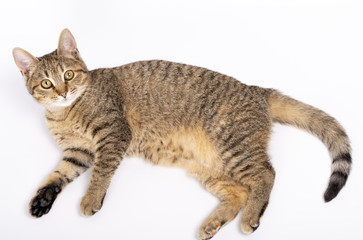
<point x="331" y="192"/>
<point x="334" y="187"/>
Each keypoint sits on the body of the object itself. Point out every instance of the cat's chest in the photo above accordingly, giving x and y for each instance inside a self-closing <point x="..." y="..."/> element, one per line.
<point x="69" y="133"/>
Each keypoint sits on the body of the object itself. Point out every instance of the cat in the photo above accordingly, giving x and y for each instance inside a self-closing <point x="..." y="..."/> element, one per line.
<point x="173" y="114"/>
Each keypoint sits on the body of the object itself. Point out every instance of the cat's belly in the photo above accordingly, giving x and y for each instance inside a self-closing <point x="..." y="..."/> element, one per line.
<point x="186" y="148"/>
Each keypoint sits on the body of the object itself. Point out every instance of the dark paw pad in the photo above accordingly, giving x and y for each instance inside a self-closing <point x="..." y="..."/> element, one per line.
<point x="43" y="201"/>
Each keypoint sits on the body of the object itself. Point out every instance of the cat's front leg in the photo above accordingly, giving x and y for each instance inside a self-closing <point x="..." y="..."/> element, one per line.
<point x="104" y="168"/>
<point x="111" y="146"/>
<point x="75" y="161"/>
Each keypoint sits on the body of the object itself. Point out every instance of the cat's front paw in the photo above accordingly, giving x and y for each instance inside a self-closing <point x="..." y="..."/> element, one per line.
<point x="209" y="229"/>
<point x="43" y="200"/>
<point x="91" y="203"/>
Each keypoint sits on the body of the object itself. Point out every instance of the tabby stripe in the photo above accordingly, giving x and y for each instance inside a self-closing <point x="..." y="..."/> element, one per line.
<point x="227" y="86"/>
<point x="246" y="175"/>
<point x="189" y="72"/>
<point x="88" y="124"/>
<point x="207" y="181"/>
<point x="104" y="126"/>
<point x="102" y="172"/>
<point x="339" y="175"/>
<point x="211" y="76"/>
<point x="244" y="158"/>
<point x="141" y="70"/>
<point x="253" y="151"/>
<point x="226" y="140"/>
<point x="74" y="104"/>
<point x="149" y="69"/>
<point x="111" y="161"/>
<point x="34" y="88"/>
<point x="343" y="157"/>
<point x="247" y="105"/>
<point x="103" y="139"/>
<point x="215" y="108"/>
<point x="104" y="145"/>
<point x="213" y="114"/>
<point x="80" y="70"/>
<point x="243" y="171"/>
<point x="203" y="73"/>
<point x="53" y="120"/>
<point x="235" y="144"/>
<point x="97" y="129"/>
<point x="62" y="176"/>
<point x="166" y="69"/>
<point x="156" y="67"/>
<point x="115" y="136"/>
<point x="68" y="180"/>
<point x="83" y="150"/>
<point x="245" y="168"/>
<point x="75" y="162"/>
<point x="110" y="153"/>
<point x="202" y="107"/>
<point x="109" y="111"/>
<point x="235" y="154"/>
<point x="106" y="169"/>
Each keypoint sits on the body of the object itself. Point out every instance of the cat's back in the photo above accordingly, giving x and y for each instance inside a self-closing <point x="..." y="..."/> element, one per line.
<point x="183" y="92"/>
<point x="177" y="95"/>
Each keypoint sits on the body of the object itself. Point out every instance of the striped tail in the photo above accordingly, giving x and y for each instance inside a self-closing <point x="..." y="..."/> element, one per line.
<point x="286" y="110"/>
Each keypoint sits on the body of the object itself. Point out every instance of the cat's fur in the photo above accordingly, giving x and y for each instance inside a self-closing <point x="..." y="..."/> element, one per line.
<point x="172" y="114"/>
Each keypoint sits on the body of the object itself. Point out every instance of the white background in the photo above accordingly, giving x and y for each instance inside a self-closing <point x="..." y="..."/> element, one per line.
<point x="309" y="49"/>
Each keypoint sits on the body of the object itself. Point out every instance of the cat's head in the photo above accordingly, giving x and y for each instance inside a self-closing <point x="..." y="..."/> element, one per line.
<point x="56" y="79"/>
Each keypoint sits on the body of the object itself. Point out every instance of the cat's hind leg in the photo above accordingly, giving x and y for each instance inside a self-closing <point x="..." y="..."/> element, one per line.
<point x="260" y="180"/>
<point x="233" y="198"/>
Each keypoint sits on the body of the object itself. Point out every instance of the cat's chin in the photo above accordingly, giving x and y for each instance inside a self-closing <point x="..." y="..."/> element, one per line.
<point x="63" y="103"/>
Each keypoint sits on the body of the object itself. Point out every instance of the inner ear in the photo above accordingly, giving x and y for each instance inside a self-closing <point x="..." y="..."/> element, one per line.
<point x="67" y="45"/>
<point x="24" y="60"/>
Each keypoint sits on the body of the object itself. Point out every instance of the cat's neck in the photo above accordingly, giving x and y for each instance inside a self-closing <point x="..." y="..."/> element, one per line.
<point x="57" y="113"/>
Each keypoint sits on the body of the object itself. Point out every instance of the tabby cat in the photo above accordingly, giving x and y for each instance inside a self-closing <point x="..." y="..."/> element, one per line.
<point x="214" y="126"/>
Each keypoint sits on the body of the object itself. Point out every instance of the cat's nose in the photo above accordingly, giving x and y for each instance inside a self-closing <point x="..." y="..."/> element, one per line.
<point x="63" y="94"/>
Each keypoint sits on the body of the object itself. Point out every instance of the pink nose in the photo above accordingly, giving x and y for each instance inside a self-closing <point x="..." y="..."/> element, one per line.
<point x="63" y="94"/>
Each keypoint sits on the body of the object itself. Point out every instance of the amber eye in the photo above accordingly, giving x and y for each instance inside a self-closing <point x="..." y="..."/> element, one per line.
<point x="46" y="84"/>
<point x="68" y="75"/>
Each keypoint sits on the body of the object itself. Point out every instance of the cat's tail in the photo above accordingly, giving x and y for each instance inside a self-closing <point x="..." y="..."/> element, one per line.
<point x="286" y="110"/>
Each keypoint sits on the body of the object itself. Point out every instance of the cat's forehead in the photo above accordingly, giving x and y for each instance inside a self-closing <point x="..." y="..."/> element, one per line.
<point x="52" y="63"/>
<point x="55" y="60"/>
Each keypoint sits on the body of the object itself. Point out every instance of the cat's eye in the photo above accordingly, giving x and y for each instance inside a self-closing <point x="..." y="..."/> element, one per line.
<point x="68" y="75"/>
<point x="46" y="84"/>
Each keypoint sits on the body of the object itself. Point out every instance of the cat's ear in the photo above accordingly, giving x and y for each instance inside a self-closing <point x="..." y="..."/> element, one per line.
<point x="24" y="60"/>
<point x="67" y="45"/>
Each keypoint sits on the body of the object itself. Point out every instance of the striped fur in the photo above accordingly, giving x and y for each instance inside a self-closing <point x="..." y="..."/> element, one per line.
<point x="286" y="110"/>
<point x="171" y="114"/>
